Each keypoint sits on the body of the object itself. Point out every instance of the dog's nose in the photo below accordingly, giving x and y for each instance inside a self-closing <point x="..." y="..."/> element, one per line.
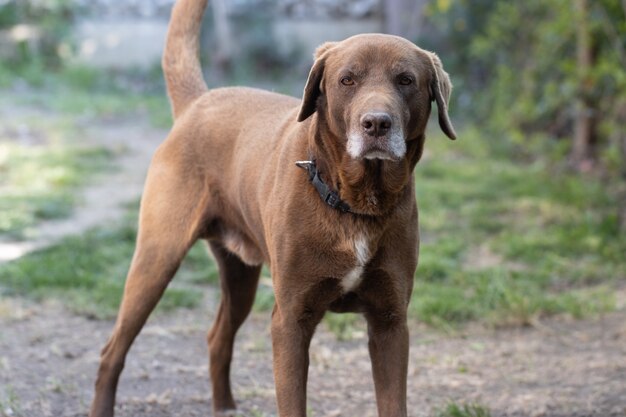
<point x="376" y="124"/>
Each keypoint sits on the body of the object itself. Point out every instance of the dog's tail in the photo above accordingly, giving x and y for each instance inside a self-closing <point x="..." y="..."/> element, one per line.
<point x="181" y="65"/>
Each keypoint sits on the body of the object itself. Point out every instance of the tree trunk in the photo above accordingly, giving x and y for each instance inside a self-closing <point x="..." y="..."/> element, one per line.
<point x="584" y="129"/>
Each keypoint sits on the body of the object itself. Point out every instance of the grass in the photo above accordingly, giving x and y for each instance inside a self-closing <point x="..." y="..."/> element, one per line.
<point x="42" y="163"/>
<point x="510" y="242"/>
<point x="342" y="325"/>
<point x="466" y="410"/>
<point x="10" y="403"/>
<point x="43" y="155"/>
<point x="87" y="272"/>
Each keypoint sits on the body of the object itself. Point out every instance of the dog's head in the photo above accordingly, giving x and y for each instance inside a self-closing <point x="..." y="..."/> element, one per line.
<point x="376" y="92"/>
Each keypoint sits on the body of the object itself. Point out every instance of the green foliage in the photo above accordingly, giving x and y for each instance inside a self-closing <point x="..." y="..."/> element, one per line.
<point x="515" y="67"/>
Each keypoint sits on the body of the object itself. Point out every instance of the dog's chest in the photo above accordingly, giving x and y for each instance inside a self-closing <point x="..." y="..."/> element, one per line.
<point x="361" y="248"/>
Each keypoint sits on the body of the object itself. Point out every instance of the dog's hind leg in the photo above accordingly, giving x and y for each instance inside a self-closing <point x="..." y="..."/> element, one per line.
<point x="238" y="283"/>
<point x="170" y="216"/>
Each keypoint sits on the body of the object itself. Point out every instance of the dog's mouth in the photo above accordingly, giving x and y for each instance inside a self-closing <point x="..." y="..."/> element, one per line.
<point x="378" y="153"/>
<point x="389" y="147"/>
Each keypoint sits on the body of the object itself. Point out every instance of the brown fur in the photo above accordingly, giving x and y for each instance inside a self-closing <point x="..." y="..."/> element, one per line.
<point x="226" y="174"/>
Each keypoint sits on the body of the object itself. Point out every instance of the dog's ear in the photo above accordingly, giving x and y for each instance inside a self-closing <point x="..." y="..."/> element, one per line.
<point x="440" y="89"/>
<point x="313" y="88"/>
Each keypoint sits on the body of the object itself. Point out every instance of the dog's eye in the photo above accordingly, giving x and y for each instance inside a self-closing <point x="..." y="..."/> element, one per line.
<point x="347" y="80"/>
<point x="405" y="80"/>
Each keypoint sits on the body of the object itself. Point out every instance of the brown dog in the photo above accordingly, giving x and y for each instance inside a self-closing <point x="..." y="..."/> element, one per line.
<point x="340" y="234"/>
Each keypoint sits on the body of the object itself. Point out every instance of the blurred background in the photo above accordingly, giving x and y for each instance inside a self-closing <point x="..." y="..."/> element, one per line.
<point x="534" y="189"/>
<point x="523" y="218"/>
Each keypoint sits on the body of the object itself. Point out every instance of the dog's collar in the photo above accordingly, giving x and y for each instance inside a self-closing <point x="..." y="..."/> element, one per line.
<point x="327" y="194"/>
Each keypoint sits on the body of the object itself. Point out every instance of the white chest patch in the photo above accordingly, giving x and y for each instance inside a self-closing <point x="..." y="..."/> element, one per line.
<point x="362" y="253"/>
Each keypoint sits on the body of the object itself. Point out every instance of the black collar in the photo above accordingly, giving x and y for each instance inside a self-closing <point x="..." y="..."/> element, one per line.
<point x="327" y="194"/>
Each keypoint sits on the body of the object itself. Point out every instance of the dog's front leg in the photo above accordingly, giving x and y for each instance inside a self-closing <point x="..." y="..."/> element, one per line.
<point x="389" y="352"/>
<point x="292" y="330"/>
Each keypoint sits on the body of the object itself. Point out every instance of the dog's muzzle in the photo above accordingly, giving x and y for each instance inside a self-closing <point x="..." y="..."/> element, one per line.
<point x="378" y="136"/>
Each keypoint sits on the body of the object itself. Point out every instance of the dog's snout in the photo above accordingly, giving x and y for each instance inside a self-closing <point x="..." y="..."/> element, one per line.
<point x="376" y="124"/>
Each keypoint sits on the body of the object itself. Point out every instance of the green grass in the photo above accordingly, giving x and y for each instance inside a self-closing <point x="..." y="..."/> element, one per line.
<point x="342" y="325"/>
<point x="264" y="300"/>
<point x="10" y="403"/>
<point x="43" y="155"/>
<point x="39" y="179"/>
<point x="88" y="272"/>
<point x="466" y="410"/>
<point x="510" y="242"/>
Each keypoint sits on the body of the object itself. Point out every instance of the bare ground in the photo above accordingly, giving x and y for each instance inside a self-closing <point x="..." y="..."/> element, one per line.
<point x="563" y="368"/>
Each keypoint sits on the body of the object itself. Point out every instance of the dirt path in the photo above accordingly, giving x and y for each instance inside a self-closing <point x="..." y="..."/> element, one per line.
<point x="48" y="359"/>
